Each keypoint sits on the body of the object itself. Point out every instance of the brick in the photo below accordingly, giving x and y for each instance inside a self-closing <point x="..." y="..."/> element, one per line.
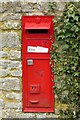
<point x="9" y="84"/>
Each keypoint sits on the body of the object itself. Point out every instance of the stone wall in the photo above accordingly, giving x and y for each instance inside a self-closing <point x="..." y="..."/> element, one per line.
<point x="10" y="56"/>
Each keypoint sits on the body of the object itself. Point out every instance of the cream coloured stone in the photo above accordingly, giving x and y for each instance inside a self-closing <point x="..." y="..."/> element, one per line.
<point x="15" y="64"/>
<point x="4" y="64"/>
<point x="4" y="72"/>
<point x="1" y="103"/>
<point x="14" y="96"/>
<point x="13" y="105"/>
<point x="25" y="115"/>
<point x="9" y="39"/>
<point x="9" y="64"/>
<point x="3" y="54"/>
<point x="9" y="84"/>
<point x="16" y="73"/>
<point x="14" y="54"/>
<point x="11" y="25"/>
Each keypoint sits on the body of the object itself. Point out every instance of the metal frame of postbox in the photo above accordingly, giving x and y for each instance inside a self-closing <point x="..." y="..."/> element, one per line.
<point x="42" y="29"/>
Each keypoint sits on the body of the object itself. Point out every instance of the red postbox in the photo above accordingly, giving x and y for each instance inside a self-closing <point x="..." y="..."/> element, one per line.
<point x="37" y="91"/>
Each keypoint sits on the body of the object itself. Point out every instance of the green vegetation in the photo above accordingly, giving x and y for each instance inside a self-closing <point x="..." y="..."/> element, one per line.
<point x="66" y="60"/>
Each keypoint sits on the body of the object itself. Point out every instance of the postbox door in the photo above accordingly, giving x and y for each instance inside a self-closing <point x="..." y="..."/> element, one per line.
<point x="39" y="83"/>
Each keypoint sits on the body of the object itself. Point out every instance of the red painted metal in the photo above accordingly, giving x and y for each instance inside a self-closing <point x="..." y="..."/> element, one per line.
<point x="37" y="26"/>
<point x="37" y="37"/>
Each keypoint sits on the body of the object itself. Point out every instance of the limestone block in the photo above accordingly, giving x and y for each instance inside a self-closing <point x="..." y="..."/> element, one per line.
<point x="1" y="103"/>
<point x="13" y="105"/>
<point x="60" y="6"/>
<point x="9" y="39"/>
<point x="15" y="64"/>
<point x="52" y="115"/>
<point x="4" y="72"/>
<point x="26" y="7"/>
<point x="14" y="54"/>
<point x="9" y="64"/>
<point x="9" y="113"/>
<point x="41" y="115"/>
<point x="16" y="73"/>
<point x="4" y="64"/>
<point x="3" y="54"/>
<point x="10" y="16"/>
<point x="23" y="115"/>
<point x="11" y="25"/>
<point x="14" y="96"/>
<point x="9" y="84"/>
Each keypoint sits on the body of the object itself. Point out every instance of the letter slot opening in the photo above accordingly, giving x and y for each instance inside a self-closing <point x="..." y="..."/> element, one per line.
<point x="37" y="31"/>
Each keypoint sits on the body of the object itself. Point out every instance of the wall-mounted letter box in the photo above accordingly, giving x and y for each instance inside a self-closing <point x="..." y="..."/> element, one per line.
<point x="37" y="36"/>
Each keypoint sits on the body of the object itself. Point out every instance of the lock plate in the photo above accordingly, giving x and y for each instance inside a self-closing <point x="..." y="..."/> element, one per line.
<point x="29" y="62"/>
<point x="34" y="88"/>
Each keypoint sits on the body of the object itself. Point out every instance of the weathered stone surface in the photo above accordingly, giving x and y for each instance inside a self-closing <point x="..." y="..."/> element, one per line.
<point x="10" y="6"/>
<point x="14" y="96"/>
<point x="14" y="54"/>
<point x="4" y="64"/>
<point x="1" y="103"/>
<point x="9" y="113"/>
<point x="9" y="39"/>
<point x="3" y="54"/>
<point x="11" y="25"/>
<point x="42" y="7"/>
<point x="9" y="84"/>
<point x="52" y="115"/>
<point x="15" y="64"/>
<point x="4" y="72"/>
<point x="36" y="13"/>
<point x="25" y="115"/>
<point x="16" y="73"/>
<point x="11" y="105"/>
<point x="26" y="7"/>
<point x="1" y="113"/>
<point x="60" y="6"/>
<point x="8" y="64"/>
<point x="36" y="115"/>
<point x="34" y="1"/>
<point x="41" y="115"/>
<point x="2" y="8"/>
<point x="10" y="16"/>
